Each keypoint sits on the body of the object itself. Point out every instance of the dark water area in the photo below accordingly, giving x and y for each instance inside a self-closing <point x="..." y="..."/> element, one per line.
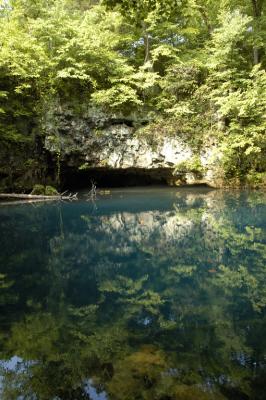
<point x="153" y="294"/>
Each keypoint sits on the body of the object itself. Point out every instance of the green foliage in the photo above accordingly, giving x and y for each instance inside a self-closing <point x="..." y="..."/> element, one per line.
<point x="237" y="91"/>
<point x="256" y="179"/>
<point x="38" y="190"/>
<point x="50" y="191"/>
<point x="245" y="147"/>
<point x="193" y="165"/>
<point x="44" y="190"/>
<point x="195" y="68"/>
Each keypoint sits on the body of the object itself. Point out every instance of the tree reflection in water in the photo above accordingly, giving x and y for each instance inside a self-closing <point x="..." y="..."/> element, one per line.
<point x="156" y="295"/>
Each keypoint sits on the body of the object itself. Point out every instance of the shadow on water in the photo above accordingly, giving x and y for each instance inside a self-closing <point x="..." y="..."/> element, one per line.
<point x="155" y="294"/>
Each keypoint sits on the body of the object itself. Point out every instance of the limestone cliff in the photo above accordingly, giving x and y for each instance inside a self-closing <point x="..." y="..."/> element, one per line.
<point x="93" y="141"/>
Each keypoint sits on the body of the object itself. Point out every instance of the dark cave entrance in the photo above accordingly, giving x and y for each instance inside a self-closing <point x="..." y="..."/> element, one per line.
<point x="110" y="178"/>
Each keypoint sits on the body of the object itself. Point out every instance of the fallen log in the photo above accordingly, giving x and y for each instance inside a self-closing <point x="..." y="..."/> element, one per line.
<point x="10" y="196"/>
<point x="18" y="202"/>
<point x="27" y="196"/>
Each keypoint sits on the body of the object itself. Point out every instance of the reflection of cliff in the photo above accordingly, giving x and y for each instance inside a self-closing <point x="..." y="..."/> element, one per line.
<point x="203" y="230"/>
<point x="151" y="304"/>
<point x="154" y="231"/>
<point x="134" y="230"/>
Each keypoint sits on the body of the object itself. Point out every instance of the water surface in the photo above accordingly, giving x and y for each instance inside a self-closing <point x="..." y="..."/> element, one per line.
<point x="153" y="294"/>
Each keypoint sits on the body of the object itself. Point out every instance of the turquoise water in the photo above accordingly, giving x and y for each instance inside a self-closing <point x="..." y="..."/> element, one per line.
<point x="153" y="294"/>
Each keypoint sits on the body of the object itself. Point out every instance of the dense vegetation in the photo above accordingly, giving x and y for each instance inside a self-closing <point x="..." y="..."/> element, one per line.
<point x="195" y="68"/>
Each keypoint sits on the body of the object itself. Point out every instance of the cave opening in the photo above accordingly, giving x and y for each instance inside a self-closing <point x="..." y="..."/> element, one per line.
<point x="74" y="179"/>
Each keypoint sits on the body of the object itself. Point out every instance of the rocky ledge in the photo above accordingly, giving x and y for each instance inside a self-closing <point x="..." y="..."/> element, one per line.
<point x="112" y="146"/>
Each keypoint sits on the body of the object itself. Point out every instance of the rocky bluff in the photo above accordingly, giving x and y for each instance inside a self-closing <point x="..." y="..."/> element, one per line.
<point x="114" y="150"/>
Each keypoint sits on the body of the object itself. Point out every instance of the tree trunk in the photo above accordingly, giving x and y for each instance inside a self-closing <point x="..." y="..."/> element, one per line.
<point x="146" y="42"/>
<point x="257" y="10"/>
<point x="28" y="196"/>
<point x="257" y="6"/>
<point x="38" y="197"/>
<point x="147" y="47"/>
<point x="205" y="18"/>
<point x="256" y="56"/>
